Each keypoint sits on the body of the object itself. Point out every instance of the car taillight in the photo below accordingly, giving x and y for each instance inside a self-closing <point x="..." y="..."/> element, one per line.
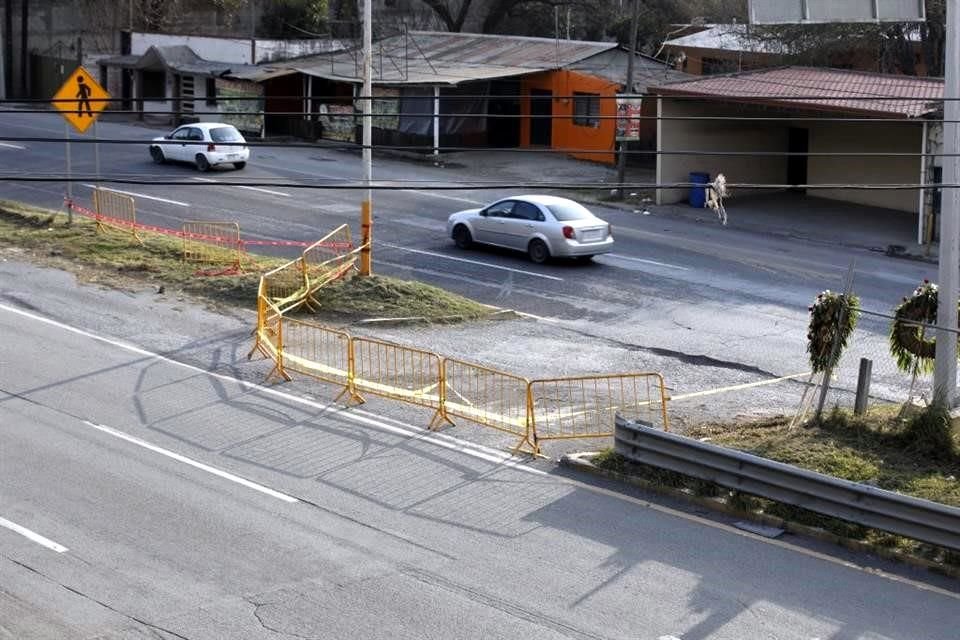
<point x="569" y="233"/>
<point x="211" y="147"/>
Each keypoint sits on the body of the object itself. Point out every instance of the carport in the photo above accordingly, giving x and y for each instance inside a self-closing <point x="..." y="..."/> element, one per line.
<point x="789" y="123"/>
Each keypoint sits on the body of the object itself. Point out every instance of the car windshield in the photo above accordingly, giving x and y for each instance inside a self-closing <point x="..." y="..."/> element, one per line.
<point x="225" y="134"/>
<point x="566" y="211"/>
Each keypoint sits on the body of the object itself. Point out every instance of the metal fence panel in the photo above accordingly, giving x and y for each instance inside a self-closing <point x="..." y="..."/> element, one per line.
<point x="212" y="244"/>
<point x="395" y="371"/>
<point x="316" y="351"/>
<point x="487" y="397"/>
<point x="586" y="406"/>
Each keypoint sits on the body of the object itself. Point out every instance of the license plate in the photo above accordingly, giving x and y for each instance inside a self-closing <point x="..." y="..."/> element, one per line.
<point x="592" y="236"/>
<point x="233" y="156"/>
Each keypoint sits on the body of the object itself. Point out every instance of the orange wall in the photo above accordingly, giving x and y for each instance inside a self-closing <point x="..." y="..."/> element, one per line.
<point x="564" y="134"/>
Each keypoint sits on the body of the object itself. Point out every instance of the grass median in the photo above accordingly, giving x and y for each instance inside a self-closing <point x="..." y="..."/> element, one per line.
<point x="914" y="452"/>
<point x="115" y="258"/>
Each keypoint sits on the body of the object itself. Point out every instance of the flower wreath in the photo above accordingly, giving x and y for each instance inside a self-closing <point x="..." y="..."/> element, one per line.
<point x="914" y="351"/>
<point x="826" y="316"/>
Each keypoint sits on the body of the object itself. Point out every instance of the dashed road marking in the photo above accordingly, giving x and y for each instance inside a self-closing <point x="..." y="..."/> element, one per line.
<point x="477" y="262"/>
<point x="193" y="463"/>
<point x="140" y="195"/>
<point x="32" y="535"/>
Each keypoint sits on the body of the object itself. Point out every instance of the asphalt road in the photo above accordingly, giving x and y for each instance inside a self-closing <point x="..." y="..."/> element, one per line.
<point x="163" y="496"/>
<point x="709" y="307"/>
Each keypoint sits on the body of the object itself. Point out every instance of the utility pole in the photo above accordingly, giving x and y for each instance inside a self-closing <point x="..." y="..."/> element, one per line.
<point x="3" y="67"/>
<point x="622" y="156"/>
<point x="945" y="369"/>
<point x="366" y="103"/>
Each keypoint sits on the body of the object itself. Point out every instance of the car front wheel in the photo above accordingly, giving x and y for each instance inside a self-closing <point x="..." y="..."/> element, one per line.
<point x="462" y="237"/>
<point x="538" y="251"/>
<point x="157" y="154"/>
<point x="202" y="164"/>
<point x="239" y="165"/>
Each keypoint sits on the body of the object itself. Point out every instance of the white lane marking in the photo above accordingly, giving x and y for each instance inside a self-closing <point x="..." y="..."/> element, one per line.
<point x="429" y="225"/>
<point x="10" y="145"/>
<point x="36" y="537"/>
<point x="617" y="256"/>
<point x="140" y="195"/>
<point x="476" y="451"/>
<point x="270" y="191"/>
<point x="193" y="463"/>
<point x="442" y="196"/>
<point x="240" y="186"/>
<point x="477" y="262"/>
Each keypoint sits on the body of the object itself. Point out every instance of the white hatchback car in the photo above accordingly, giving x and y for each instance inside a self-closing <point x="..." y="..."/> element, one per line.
<point x="540" y="226"/>
<point x="205" y="144"/>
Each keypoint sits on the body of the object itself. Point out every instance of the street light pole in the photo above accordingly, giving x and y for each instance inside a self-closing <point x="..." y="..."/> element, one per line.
<point x="948" y="279"/>
<point x="622" y="156"/>
<point x="366" y="102"/>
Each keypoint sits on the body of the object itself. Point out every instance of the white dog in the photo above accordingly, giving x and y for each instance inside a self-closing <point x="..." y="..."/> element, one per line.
<point x="716" y="192"/>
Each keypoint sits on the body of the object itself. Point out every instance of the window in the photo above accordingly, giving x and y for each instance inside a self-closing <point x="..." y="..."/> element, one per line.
<point x="527" y="211"/>
<point x="569" y="210"/>
<point x="586" y="109"/>
<point x="225" y="134"/>
<point x="500" y="210"/>
<point x="154" y="85"/>
<point x="211" y="92"/>
<point x="195" y="134"/>
<point x="711" y="66"/>
<point x="181" y="134"/>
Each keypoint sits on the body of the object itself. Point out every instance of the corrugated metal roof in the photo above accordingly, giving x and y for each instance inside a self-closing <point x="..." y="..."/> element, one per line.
<point x="736" y="37"/>
<point x="431" y="57"/>
<point x="728" y="37"/>
<point x="183" y="59"/>
<point x="612" y="65"/>
<point x="823" y="89"/>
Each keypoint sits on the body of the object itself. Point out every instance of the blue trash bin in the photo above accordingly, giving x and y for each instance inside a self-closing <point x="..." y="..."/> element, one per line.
<point x="698" y="195"/>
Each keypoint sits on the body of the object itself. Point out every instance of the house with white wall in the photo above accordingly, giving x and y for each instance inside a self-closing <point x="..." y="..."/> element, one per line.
<point x="827" y="132"/>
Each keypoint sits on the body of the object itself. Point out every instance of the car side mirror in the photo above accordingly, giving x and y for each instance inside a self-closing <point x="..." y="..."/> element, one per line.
<point x="484" y="213"/>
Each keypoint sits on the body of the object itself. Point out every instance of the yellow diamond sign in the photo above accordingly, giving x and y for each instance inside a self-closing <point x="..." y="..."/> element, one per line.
<point x="81" y="99"/>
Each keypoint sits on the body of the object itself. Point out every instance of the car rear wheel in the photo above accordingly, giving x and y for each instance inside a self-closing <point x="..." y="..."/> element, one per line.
<point x="239" y="165"/>
<point x="202" y="164"/>
<point x="462" y="237"/>
<point x="538" y="251"/>
<point x="157" y="154"/>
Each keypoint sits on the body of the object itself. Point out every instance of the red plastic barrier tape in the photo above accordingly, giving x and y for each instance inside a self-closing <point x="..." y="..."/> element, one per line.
<point x="199" y="236"/>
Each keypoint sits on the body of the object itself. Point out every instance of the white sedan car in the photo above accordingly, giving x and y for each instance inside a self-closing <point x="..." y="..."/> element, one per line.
<point x="205" y="144"/>
<point x="540" y="226"/>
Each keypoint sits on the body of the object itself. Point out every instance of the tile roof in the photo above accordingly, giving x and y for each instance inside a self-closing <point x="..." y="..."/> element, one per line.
<point x="820" y="89"/>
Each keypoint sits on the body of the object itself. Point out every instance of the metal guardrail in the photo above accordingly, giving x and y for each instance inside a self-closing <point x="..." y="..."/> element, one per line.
<point x="911" y="517"/>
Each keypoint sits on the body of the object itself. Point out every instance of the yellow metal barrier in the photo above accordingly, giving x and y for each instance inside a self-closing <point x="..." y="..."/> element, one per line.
<point x="115" y="210"/>
<point x="402" y="373"/>
<point x="327" y="260"/>
<point x="268" y="336"/>
<point x="488" y="397"/>
<point x="585" y="406"/>
<point x="318" y="352"/>
<point x="213" y="244"/>
<point x="286" y="286"/>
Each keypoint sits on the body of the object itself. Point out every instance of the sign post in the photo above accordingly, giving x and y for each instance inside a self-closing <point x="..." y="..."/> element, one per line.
<point x="80" y="101"/>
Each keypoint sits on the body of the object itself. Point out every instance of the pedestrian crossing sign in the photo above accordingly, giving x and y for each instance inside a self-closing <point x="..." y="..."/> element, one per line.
<point x="81" y="99"/>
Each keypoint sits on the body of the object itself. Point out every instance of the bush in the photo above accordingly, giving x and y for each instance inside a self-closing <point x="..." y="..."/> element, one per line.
<point x="930" y="434"/>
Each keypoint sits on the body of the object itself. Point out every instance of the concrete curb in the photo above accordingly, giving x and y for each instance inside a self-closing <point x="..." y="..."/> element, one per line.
<point x="582" y="462"/>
